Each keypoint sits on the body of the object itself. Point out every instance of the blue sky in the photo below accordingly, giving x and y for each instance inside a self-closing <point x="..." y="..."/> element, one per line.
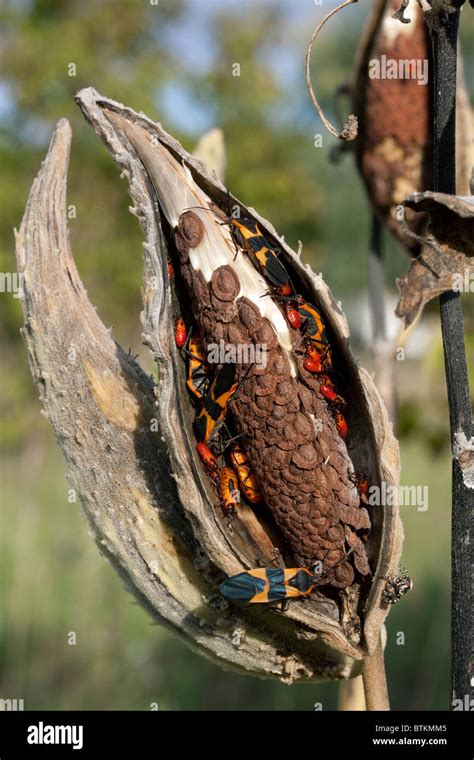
<point x="193" y="38"/>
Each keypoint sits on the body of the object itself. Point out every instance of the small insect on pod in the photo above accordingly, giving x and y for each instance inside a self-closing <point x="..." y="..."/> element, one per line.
<point x="397" y="586"/>
<point x="228" y="491"/>
<point x="247" y="480"/>
<point x="180" y="332"/>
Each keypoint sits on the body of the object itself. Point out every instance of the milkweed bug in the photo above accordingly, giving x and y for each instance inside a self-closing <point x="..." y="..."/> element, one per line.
<point x="180" y="332"/>
<point x="301" y="314"/>
<point x="314" y="329"/>
<point x="247" y="234"/>
<point x="313" y="364"/>
<point x="291" y="312"/>
<point x="293" y="316"/>
<point x="329" y="392"/>
<point x="247" y="480"/>
<point x="363" y="489"/>
<point x="215" y="402"/>
<point x="228" y="491"/>
<point x="262" y="585"/>
<point x="209" y="461"/>
<point x="397" y="586"/>
<point x="362" y="486"/>
<point x="198" y="372"/>
<point x="341" y="424"/>
<point x="170" y="270"/>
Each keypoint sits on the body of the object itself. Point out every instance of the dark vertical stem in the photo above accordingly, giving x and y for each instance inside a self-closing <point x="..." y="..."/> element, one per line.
<point x="377" y="281"/>
<point x="444" y="31"/>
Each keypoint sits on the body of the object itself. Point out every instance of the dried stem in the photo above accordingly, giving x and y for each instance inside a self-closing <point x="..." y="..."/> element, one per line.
<point x="375" y="682"/>
<point x="382" y="347"/>
<point x="349" y="130"/>
<point x="351" y="695"/>
<point x="443" y="22"/>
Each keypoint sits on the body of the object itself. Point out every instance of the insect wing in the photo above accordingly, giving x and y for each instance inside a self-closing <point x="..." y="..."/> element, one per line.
<point x="276" y="272"/>
<point x="277" y="588"/>
<point x="243" y="587"/>
<point x="223" y="385"/>
<point x="215" y="402"/>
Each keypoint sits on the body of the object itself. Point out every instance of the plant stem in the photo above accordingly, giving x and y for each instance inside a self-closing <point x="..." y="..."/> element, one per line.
<point x="444" y="48"/>
<point x="375" y="682"/>
<point x="381" y="348"/>
<point x="352" y="695"/>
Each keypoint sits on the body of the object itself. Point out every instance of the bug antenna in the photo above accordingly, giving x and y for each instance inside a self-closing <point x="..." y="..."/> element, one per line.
<point x="192" y="208"/>
<point x="276" y="296"/>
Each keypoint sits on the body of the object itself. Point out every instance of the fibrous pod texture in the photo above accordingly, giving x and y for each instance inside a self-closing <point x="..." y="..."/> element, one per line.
<point x="278" y="445"/>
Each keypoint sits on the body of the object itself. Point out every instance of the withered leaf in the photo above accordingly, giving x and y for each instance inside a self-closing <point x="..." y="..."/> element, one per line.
<point x="447" y="258"/>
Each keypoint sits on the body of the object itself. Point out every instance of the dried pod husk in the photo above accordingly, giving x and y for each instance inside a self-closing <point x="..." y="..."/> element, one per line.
<point x="100" y="405"/>
<point x="394" y="150"/>
<point x="164" y="181"/>
<point x="447" y="261"/>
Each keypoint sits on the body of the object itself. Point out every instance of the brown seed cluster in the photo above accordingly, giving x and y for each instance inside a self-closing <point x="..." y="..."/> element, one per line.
<point x="394" y="148"/>
<point x="288" y="432"/>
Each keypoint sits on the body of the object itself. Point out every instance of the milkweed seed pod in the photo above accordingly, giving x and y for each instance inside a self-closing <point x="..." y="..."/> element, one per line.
<point x="161" y="522"/>
<point x="391" y="93"/>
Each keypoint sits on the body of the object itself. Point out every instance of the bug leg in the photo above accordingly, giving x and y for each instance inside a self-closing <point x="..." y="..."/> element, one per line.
<point x="277" y="557"/>
<point x="279" y="606"/>
<point x="230" y="440"/>
<point x="188" y="338"/>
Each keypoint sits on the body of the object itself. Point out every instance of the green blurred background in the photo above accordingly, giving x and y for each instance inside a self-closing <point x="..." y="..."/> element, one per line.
<point x="173" y="61"/>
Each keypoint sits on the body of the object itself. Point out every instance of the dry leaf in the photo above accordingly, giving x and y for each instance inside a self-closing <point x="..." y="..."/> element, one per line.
<point x="447" y="260"/>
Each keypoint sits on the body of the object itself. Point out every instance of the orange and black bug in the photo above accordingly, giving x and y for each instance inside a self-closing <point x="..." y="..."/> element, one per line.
<point x="328" y="390"/>
<point x="215" y="402"/>
<point x="170" y="270"/>
<point x="293" y="316"/>
<point x="362" y="486"/>
<point x="316" y="359"/>
<point x="198" y="372"/>
<point x="313" y="364"/>
<point x="180" y="332"/>
<point x="228" y="490"/>
<point x="270" y="584"/>
<point x="247" y="480"/>
<point x="304" y="315"/>
<point x="209" y="461"/>
<point x="314" y="331"/>
<point x="341" y="424"/>
<point x="247" y="234"/>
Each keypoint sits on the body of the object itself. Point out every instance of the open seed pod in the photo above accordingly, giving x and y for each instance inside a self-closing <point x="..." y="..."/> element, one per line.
<point x="394" y="150"/>
<point x="306" y="473"/>
<point x="131" y="448"/>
